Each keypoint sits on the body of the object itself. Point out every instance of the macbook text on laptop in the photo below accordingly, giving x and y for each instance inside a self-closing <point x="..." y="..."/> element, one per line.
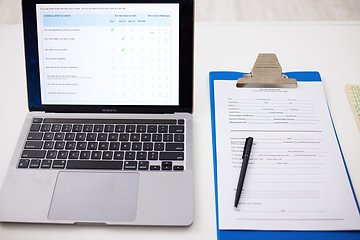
<point x="108" y="139"/>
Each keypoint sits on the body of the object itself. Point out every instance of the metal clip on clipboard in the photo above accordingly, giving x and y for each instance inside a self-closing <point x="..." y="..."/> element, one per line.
<point x="266" y="73"/>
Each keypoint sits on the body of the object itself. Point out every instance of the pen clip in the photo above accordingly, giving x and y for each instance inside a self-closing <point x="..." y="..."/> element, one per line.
<point x="247" y="149"/>
<point x="246" y="143"/>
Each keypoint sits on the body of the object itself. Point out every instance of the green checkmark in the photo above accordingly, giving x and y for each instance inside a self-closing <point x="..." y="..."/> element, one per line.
<point x="123" y="38"/>
<point x="112" y="29"/>
<point x="123" y="49"/>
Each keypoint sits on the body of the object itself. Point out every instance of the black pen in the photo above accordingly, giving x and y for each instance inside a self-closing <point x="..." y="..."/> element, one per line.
<point x="245" y="157"/>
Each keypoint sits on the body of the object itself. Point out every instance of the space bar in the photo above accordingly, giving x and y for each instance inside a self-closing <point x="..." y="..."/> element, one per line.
<point x="81" y="164"/>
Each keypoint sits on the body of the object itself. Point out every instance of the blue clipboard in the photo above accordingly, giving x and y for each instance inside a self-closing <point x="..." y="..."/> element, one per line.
<point x="261" y="234"/>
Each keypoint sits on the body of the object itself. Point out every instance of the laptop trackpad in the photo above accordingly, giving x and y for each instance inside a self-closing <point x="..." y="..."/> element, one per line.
<point x="95" y="197"/>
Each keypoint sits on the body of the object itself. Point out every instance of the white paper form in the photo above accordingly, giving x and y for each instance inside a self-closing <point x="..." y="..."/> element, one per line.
<point x="296" y="178"/>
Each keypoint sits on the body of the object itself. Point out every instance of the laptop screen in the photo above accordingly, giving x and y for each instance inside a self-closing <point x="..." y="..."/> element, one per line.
<point x="116" y="54"/>
<point x="109" y="54"/>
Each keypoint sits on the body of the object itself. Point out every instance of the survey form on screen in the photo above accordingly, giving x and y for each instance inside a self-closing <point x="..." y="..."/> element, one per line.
<point x="296" y="177"/>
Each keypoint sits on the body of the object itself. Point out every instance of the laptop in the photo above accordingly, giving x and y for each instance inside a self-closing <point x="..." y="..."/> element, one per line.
<point x="108" y="139"/>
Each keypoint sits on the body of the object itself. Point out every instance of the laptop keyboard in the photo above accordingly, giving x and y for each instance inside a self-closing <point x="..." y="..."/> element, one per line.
<point x="113" y="144"/>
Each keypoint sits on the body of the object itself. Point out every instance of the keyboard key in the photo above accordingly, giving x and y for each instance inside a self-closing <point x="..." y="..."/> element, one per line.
<point x="92" y="146"/>
<point x="153" y="155"/>
<point x="130" y="165"/>
<point x="62" y="154"/>
<point x="45" y="128"/>
<point x="59" y="145"/>
<point x="37" y="120"/>
<point x="35" y="136"/>
<point x="77" y="128"/>
<point x="172" y="156"/>
<point x="33" y="144"/>
<point x="179" y="137"/>
<point x="96" y="155"/>
<point x="178" y="168"/>
<point x="91" y="136"/>
<point x="85" y="154"/>
<point x="51" y="154"/>
<point x="159" y="146"/>
<point x="113" y="137"/>
<point x="141" y="128"/>
<point x="66" y="128"/>
<point x="46" y="163"/>
<point x="119" y="155"/>
<point x="156" y="137"/>
<point x="81" y="145"/>
<point x="176" y="129"/>
<point x="80" y="137"/>
<point x="109" y="128"/>
<point x="35" y="127"/>
<point x="136" y="146"/>
<point x="125" y="146"/>
<point x="74" y="154"/>
<point x="152" y="129"/>
<point x="88" y="128"/>
<point x="168" y="137"/>
<point x="107" y="155"/>
<point x="48" y="136"/>
<point x="102" y="136"/>
<point x="148" y="146"/>
<point x="49" y="145"/>
<point x="145" y="137"/>
<point x="98" y="128"/>
<point x="70" y="145"/>
<point x="114" y="146"/>
<point x="143" y="165"/>
<point x="130" y="128"/>
<point x="59" y="164"/>
<point x="24" y="163"/>
<point x="163" y="129"/>
<point x="124" y="137"/>
<point x="134" y="137"/>
<point x="69" y="136"/>
<point x="59" y="136"/>
<point x="155" y="167"/>
<point x="130" y="155"/>
<point x="34" y="163"/>
<point x="33" y="154"/>
<point x="120" y="128"/>
<point x="56" y="128"/>
<point x="141" y="155"/>
<point x="166" y="165"/>
<point x="174" y="147"/>
<point x="103" y="146"/>
<point x="106" y="165"/>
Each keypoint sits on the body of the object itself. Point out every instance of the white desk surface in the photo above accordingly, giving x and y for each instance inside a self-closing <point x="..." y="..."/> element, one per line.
<point x="332" y="48"/>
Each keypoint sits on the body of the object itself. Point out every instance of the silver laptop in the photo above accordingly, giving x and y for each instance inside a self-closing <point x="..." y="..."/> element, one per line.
<point x="108" y="139"/>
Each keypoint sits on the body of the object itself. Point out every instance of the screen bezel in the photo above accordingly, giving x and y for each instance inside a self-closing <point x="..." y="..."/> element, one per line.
<point x="186" y="52"/>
